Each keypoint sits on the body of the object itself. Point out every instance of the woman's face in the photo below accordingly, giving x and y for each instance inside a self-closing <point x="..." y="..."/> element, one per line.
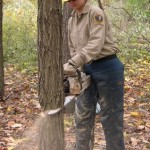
<point x="77" y="4"/>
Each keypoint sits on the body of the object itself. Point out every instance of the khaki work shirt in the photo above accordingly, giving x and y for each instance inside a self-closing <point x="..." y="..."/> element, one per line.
<point x="90" y="35"/>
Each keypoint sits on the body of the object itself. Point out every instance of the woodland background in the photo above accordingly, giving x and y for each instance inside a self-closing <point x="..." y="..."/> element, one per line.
<point x="130" y="20"/>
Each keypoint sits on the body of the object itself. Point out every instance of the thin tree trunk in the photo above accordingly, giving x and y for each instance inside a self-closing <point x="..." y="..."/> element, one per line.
<point x="1" y="54"/>
<point x="100" y="4"/>
<point x="51" y="95"/>
<point x="66" y="15"/>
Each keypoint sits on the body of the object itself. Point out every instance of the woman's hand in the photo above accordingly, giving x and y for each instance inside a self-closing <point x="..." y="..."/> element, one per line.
<point x="69" y="70"/>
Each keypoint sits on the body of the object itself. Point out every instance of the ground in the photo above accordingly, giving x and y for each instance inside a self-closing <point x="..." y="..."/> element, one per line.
<point x="20" y="113"/>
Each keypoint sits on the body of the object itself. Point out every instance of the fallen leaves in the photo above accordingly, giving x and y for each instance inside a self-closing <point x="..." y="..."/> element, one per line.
<point x="134" y="141"/>
<point x="16" y="125"/>
<point x="19" y="109"/>
<point x="136" y="114"/>
<point x="140" y="128"/>
<point x="22" y="107"/>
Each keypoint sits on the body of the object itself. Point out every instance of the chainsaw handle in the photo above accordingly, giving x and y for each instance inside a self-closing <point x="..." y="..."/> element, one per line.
<point x="78" y="72"/>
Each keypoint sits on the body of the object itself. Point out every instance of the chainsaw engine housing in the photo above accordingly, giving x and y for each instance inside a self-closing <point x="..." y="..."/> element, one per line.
<point x="75" y="86"/>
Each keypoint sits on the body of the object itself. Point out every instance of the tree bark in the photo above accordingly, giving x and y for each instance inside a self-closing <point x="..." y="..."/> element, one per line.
<point x="51" y="94"/>
<point x="100" y="4"/>
<point x="66" y="15"/>
<point x="1" y="54"/>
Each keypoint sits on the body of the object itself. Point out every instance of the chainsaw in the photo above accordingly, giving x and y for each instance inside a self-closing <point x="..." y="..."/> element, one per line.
<point x="73" y="87"/>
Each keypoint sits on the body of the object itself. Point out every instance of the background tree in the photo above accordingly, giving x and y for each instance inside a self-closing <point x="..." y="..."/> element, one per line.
<point x="1" y="54"/>
<point x="100" y="4"/>
<point x="66" y="15"/>
<point x="50" y="73"/>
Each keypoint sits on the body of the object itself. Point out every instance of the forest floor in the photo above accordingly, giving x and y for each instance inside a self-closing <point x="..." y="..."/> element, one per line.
<point x="20" y="113"/>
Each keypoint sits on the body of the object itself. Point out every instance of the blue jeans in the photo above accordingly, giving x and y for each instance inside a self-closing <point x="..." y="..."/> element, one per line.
<point x="107" y="88"/>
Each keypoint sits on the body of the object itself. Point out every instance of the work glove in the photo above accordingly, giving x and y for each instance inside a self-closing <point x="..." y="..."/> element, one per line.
<point x="69" y="70"/>
<point x="74" y="63"/>
<point x="77" y="60"/>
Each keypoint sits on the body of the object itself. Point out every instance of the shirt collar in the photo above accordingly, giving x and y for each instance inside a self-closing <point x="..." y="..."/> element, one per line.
<point x="85" y="9"/>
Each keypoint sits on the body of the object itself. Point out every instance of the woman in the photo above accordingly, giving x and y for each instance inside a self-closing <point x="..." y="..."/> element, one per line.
<point x="92" y="48"/>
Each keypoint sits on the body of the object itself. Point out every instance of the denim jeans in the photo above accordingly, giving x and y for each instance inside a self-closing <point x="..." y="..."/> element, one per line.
<point x="107" y="89"/>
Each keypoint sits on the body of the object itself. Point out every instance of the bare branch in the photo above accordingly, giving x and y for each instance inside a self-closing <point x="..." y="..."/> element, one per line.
<point x="100" y="5"/>
<point x="122" y="9"/>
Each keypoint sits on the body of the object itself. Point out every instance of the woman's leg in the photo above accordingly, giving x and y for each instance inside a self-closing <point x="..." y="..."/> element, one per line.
<point x="84" y="118"/>
<point x="109" y="80"/>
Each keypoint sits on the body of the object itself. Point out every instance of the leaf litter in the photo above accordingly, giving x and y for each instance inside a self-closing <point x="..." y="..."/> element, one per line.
<point x="20" y="113"/>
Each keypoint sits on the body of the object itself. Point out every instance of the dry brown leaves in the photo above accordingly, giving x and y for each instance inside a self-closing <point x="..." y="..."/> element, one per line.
<point x="21" y="108"/>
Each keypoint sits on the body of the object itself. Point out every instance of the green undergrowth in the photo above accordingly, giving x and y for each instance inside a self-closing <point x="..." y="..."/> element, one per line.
<point x="20" y="35"/>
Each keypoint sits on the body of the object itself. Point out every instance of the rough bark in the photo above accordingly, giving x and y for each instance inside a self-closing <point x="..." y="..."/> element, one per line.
<point x="100" y="4"/>
<point x="51" y="95"/>
<point x="66" y="15"/>
<point x="1" y="54"/>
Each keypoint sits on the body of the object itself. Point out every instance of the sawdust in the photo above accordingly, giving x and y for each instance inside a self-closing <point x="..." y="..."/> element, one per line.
<point x="30" y="140"/>
<point x="41" y="135"/>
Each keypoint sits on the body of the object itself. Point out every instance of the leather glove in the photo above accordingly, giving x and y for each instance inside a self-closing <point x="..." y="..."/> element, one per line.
<point x="77" y="60"/>
<point x="69" y="70"/>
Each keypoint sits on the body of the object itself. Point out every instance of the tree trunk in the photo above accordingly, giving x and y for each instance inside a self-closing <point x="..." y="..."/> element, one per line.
<point x="66" y="15"/>
<point x="1" y="54"/>
<point x="51" y="94"/>
<point x="100" y="4"/>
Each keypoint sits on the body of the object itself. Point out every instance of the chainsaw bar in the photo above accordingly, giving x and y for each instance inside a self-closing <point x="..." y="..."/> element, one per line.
<point x="69" y="106"/>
